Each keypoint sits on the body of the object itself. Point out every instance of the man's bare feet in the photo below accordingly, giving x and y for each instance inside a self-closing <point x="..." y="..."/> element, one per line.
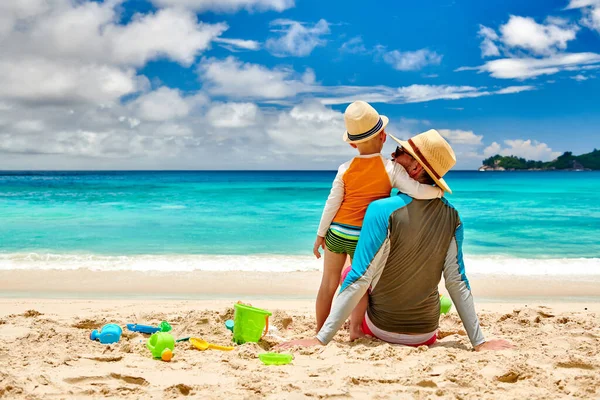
<point x="356" y="332"/>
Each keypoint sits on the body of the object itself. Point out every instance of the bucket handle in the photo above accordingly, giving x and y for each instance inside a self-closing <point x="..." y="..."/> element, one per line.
<point x="266" y="327"/>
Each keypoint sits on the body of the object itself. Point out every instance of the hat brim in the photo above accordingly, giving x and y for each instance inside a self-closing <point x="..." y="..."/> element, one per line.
<point x="408" y="148"/>
<point x="385" y="121"/>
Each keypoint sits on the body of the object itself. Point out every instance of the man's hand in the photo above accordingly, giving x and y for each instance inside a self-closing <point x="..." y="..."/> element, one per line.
<point x="300" y="342"/>
<point x="495" y="344"/>
<point x="319" y="242"/>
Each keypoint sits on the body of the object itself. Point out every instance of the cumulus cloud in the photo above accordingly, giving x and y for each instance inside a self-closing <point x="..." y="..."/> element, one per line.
<point x="540" y="39"/>
<point x="488" y="47"/>
<point x="168" y="33"/>
<point x="533" y="49"/>
<point x="590" y="12"/>
<point x="528" y="149"/>
<point x="227" y="5"/>
<point x="233" y="115"/>
<point x="162" y="104"/>
<point x="41" y="80"/>
<point x="233" y="78"/>
<point x="412" y="60"/>
<point x="296" y="39"/>
<point x="457" y="136"/>
<point x="90" y="32"/>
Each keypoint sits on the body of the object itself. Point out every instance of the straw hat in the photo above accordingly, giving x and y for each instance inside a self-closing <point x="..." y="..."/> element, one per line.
<point x="362" y="122"/>
<point x="432" y="151"/>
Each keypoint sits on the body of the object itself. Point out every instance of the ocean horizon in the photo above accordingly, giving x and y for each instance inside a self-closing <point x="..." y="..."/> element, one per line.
<point x="516" y="222"/>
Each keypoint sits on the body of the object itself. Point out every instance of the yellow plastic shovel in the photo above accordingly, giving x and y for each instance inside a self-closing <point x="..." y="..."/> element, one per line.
<point x="204" y="345"/>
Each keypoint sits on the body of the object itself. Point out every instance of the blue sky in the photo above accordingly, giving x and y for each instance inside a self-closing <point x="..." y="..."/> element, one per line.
<point x="262" y="84"/>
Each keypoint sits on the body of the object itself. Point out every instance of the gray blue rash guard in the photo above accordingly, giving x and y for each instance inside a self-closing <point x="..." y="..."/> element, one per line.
<point x="405" y="246"/>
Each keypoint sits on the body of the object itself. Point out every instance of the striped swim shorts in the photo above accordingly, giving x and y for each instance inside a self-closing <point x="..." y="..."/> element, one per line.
<point x="342" y="239"/>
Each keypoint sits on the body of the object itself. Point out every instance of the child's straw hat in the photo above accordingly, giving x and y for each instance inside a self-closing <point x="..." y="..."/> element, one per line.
<point x="362" y="122"/>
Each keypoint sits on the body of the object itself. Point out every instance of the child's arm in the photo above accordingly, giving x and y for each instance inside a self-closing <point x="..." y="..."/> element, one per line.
<point x="404" y="183"/>
<point x="334" y="201"/>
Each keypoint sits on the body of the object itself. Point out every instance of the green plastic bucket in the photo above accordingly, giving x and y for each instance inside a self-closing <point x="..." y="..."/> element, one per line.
<point x="249" y="323"/>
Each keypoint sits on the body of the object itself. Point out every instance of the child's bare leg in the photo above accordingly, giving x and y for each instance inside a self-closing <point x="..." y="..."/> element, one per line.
<point x="333" y="264"/>
<point x="357" y="317"/>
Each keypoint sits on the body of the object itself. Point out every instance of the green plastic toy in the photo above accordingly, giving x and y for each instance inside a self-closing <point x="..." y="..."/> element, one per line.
<point x="445" y="304"/>
<point x="250" y="323"/>
<point x="275" y="358"/>
<point x="161" y="345"/>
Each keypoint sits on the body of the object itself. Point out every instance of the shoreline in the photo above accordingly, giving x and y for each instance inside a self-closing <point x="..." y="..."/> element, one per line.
<point x="209" y="285"/>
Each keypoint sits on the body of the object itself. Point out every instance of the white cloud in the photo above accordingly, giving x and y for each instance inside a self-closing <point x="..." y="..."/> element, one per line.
<point x="162" y="104"/>
<point x="40" y="80"/>
<point x="412" y="60"/>
<point x="488" y="47"/>
<point x="528" y="149"/>
<point x="410" y="94"/>
<point x="235" y="79"/>
<point x="457" y="136"/>
<point x="308" y="129"/>
<point x="227" y="5"/>
<point x="591" y="17"/>
<point x="515" y="89"/>
<point x="168" y="33"/>
<point x="90" y="32"/>
<point x="233" y="115"/>
<point x="582" y="3"/>
<point x="492" y="150"/>
<point x="354" y="46"/>
<point x="296" y="39"/>
<point x="236" y="44"/>
<point x="524" y="68"/>
<point x="541" y="39"/>
<point x="580" y="78"/>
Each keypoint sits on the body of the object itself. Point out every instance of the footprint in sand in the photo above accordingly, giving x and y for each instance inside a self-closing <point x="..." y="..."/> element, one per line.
<point x="575" y="364"/>
<point x="135" y="380"/>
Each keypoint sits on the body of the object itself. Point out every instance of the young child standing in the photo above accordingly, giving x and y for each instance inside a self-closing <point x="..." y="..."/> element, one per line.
<point x="367" y="177"/>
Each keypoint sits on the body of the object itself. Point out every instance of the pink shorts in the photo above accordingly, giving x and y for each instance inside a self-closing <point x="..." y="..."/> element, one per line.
<point x="368" y="331"/>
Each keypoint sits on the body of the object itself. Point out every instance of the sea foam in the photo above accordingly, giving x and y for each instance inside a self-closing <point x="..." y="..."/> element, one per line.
<point x="484" y="265"/>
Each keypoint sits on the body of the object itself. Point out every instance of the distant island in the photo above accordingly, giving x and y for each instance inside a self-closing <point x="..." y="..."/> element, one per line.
<point x="566" y="162"/>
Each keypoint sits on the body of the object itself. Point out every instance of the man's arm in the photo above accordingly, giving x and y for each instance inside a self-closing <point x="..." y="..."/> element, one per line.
<point x="458" y="287"/>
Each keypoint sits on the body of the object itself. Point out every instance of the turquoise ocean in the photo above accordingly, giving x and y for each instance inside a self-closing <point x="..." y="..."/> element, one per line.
<point x="515" y="222"/>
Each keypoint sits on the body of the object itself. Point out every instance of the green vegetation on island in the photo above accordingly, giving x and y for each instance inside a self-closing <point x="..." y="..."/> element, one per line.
<point x="567" y="161"/>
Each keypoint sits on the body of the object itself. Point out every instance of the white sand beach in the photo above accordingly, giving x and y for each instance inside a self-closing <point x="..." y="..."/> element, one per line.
<point x="46" y="351"/>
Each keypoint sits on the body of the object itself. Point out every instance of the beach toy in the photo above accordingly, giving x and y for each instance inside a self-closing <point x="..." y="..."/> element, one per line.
<point x="229" y="324"/>
<point x="184" y="339"/>
<point x="275" y="358"/>
<point x="110" y="333"/>
<point x="161" y="345"/>
<point x="445" y="304"/>
<point x="204" y="345"/>
<point x="250" y="323"/>
<point x="163" y="327"/>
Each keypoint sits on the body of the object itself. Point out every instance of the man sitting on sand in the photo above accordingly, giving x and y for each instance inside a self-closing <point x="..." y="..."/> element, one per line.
<point x="404" y="247"/>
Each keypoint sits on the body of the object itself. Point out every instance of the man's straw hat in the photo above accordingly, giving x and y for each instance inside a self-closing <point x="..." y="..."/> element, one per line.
<point x="432" y="151"/>
<point x="362" y="122"/>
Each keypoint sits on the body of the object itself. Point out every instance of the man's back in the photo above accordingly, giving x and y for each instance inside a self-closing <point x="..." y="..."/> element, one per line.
<point x="405" y="298"/>
<point x="405" y="245"/>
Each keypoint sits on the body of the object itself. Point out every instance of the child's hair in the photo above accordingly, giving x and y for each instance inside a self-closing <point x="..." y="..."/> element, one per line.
<point x="371" y="143"/>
